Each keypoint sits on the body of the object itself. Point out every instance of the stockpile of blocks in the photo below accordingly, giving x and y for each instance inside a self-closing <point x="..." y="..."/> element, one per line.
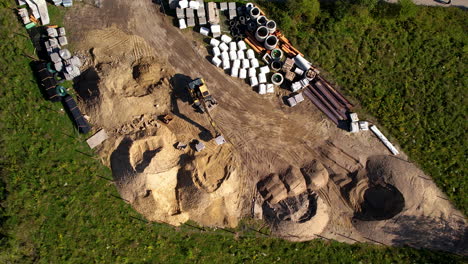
<point x="62" y="59"/>
<point x="185" y="12"/>
<point x="65" y="3"/>
<point x="241" y="62"/>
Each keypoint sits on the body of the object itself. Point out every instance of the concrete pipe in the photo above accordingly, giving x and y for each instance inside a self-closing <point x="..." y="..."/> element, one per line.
<point x="277" y="79"/>
<point x="254" y="12"/>
<point x="249" y="6"/>
<point x="276" y="54"/>
<point x="276" y="65"/>
<point x="242" y="20"/>
<point x="261" y="34"/>
<point x="261" y="20"/>
<point x="271" y="42"/>
<point x="251" y="26"/>
<point x="271" y="25"/>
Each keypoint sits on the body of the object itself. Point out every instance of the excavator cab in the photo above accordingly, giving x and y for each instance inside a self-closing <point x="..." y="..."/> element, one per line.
<point x="201" y="98"/>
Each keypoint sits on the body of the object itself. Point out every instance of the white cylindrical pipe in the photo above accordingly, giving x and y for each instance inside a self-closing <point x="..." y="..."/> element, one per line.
<point x="271" y="42"/>
<point x="249" y="6"/>
<point x="276" y="65"/>
<point x="261" y="34"/>
<point x="253" y="81"/>
<point x="384" y="140"/>
<point x="252" y="72"/>
<point x="236" y="64"/>
<point x="254" y="12"/>
<point x="250" y="54"/>
<point x="216" y="51"/>
<point x="214" y="42"/>
<point x="302" y="63"/>
<point x="226" y="39"/>
<point x="235" y="72"/>
<point x="243" y="73"/>
<point x="240" y="55"/>
<point x="233" y="55"/>
<point x="241" y="45"/>
<point x="232" y="46"/>
<point x="216" y="61"/>
<point x="261" y="20"/>
<point x="245" y="64"/>
<point x="271" y="25"/>
<point x="277" y="79"/>
<point x="254" y="63"/>
<point x="262" y="78"/>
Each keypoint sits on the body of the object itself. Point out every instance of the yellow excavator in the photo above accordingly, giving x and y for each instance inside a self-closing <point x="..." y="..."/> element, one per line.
<point x="204" y="101"/>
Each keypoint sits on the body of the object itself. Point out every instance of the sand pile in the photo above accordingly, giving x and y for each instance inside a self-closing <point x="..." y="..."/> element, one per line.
<point x="124" y="91"/>
<point x="290" y="203"/>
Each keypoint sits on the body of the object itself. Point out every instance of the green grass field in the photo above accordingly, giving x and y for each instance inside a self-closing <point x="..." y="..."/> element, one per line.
<point x="58" y="205"/>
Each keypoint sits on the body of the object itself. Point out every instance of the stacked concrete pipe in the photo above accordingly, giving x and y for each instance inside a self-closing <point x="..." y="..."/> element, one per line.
<point x="261" y="34"/>
<point x="271" y="25"/>
<point x="271" y="42"/>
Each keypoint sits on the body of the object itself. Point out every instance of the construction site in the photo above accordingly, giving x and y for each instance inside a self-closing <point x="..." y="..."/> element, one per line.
<point x="206" y="112"/>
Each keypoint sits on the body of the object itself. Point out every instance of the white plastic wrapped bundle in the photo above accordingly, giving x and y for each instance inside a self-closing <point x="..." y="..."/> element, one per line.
<point x="241" y="45"/>
<point x="270" y="88"/>
<point x="254" y="63"/>
<point x="235" y="72"/>
<point x="216" y="51"/>
<point x="252" y="72"/>
<point x="204" y="31"/>
<point x="264" y="69"/>
<point x="232" y="46"/>
<point x="216" y="61"/>
<point x="226" y="64"/>
<point x="298" y="71"/>
<point x="225" y="55"/>
<point x="214" y="42"/>
<point x="183" y="4"/>
<point x="182" y="24"/>
<point x="223" y="46"/>
<point x="194" y="4"/>
<point x="236" y="64"/>
<point x="226" y="39"/>
<point x="253" y="81"/>
<point x="240" y="54"/>
<point x="245" y="64"/>
<point x="233" y="55"/>
<point x="262" y="89"/>
<point x="243" y="73"/>
<point x="250" y="54"/>
<point x="262" y="78"/>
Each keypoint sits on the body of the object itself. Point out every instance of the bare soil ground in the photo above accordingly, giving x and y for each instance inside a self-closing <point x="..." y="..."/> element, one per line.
<point x="290" y="167"/>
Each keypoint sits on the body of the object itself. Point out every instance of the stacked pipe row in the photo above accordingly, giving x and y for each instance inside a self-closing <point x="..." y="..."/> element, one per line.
<point x="240" y="61"/>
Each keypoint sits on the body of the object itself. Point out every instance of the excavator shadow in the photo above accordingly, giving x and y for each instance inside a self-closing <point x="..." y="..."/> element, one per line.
<point x="178" y="84"/>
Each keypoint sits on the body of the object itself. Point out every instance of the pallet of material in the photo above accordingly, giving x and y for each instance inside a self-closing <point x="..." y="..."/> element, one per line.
<point x="72" y="108"/>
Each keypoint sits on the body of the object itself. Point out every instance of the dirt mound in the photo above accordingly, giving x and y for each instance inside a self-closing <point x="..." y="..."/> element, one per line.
<point x="294" y="210"/>
<point x="124" y="91"/>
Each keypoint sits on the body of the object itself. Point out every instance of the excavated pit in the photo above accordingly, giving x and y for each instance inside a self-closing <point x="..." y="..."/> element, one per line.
<point x="380" y="203"/>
